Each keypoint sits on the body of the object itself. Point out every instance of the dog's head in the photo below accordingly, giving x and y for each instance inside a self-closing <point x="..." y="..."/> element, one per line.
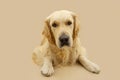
<point x="62" y="28"/>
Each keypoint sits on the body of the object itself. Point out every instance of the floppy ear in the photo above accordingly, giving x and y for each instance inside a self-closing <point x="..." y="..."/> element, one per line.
<point x="76" y="26"/>
<point x="48" y="33"/>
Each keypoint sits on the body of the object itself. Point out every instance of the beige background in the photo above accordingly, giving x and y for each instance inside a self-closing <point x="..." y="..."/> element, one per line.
<point x="20" y="25"/>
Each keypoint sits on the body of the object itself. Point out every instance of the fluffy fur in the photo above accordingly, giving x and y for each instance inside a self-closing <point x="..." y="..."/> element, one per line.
<point x="49" y="53"/>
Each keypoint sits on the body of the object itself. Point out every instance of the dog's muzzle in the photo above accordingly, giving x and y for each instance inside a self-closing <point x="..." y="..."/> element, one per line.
<point x="64" y="40"/>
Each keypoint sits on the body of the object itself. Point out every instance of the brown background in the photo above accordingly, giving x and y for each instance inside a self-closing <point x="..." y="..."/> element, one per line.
<point x="20" y="25"/>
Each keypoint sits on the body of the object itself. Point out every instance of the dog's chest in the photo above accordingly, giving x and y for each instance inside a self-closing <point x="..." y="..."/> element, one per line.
<point x="64" y="57"/>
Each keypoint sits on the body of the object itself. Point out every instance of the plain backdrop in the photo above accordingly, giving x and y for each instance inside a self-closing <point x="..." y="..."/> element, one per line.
<point x="21" y="22"/>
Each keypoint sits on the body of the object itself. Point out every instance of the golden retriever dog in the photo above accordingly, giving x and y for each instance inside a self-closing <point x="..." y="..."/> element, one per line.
<point x="60" y="44"/>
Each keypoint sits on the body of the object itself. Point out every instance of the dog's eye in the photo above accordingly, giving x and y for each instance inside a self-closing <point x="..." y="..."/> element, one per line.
<point x="54" y="25"/>
<point x="69" y="23"/>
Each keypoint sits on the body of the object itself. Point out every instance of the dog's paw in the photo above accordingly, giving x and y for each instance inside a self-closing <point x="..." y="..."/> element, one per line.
<point x="47" y="71"/>
<point x="94" y="68"/>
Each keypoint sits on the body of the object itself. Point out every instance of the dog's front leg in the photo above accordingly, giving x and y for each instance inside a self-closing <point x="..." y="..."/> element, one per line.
<point x="47" y="68"/>
<point x="90" y="66"/>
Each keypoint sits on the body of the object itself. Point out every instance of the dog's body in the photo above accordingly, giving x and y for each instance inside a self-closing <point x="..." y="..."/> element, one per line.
<point x="61" y="44"/>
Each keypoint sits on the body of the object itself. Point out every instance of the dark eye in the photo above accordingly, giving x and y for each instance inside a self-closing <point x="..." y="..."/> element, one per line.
<point x="54" y="25"/>
<point x="69" y="23"/>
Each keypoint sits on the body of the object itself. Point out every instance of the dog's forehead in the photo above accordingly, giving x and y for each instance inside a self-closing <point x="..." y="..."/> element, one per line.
<point x="61" y="15"/>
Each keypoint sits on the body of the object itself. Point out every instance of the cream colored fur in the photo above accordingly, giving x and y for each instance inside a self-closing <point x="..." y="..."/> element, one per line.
<point x="49" y="53"/>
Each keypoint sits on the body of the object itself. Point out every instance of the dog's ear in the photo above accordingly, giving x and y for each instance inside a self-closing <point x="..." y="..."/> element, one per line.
<point x="47" y="32"/>
<point x="76" y="26"/>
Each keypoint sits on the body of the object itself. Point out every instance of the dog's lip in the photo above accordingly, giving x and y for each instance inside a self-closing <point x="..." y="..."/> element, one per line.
<point x="65" y="45"/>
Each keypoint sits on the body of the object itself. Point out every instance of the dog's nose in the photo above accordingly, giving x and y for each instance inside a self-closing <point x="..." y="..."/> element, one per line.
<point x="64" y="39"/>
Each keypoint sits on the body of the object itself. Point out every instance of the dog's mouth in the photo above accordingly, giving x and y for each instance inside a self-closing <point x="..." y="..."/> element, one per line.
<point x="64" y="40"/>
<point x="64" y="44"/>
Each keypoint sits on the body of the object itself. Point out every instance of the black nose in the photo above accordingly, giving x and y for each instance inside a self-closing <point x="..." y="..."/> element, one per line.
<point x="64" y="40"/>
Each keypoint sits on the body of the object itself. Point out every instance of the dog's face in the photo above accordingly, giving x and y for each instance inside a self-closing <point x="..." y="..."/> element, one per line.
<point x="62" y="25"/>
<point x="62" y="28"/>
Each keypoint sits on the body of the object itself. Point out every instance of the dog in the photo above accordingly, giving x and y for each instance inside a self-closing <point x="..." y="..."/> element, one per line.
<point x="60" y="44"/>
